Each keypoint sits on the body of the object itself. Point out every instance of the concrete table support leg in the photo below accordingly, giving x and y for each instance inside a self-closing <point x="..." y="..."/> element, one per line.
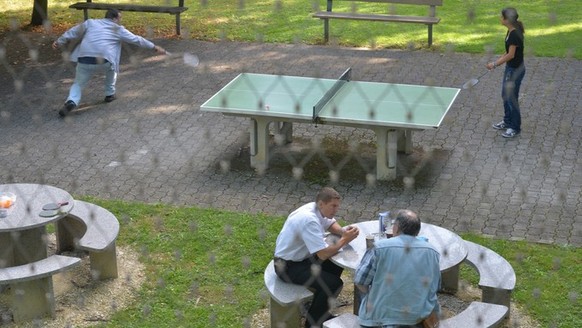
<point x="386" y="153"/>
<point x="450" y="280"/>
<point x="285" y="130"/>
<point x="260" y="143"/>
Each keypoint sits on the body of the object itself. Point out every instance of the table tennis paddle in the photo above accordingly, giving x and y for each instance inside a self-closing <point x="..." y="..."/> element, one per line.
<point x="472" y="82"/>
<point x="48" y="213"/>
<point x="54" y="206"/>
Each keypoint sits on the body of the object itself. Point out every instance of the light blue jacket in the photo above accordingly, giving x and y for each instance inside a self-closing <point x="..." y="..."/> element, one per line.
<point x="403" y="276"/>
<point x="101" y="38"/>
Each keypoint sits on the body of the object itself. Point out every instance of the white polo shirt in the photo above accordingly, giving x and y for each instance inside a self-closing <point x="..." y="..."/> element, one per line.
<point x="302" y="234"/>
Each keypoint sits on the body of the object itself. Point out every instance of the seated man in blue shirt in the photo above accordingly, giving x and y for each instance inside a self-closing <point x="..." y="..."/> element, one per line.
<point x="399" y="278"/>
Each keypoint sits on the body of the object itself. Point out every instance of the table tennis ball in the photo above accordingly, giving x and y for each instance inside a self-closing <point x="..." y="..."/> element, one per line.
<point x="191" y="60"/>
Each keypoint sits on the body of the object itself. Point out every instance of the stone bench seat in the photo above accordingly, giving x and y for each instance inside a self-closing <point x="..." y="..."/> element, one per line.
<point x="496" y="275"/>
<point x="91" y="228"/>
<point x="31" y="286"/>
<point x="476" y="315"/>
<point x="285" y="299"/>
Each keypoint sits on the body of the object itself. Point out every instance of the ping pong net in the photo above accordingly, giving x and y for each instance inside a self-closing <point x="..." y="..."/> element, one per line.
<point x="343" y="79"/>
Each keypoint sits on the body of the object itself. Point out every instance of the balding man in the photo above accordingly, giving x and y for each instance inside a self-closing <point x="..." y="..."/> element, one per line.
<point x="399" y="278"/>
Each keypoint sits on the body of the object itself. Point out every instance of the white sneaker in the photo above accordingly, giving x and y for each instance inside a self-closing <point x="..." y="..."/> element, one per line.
<point x="499" y="126"/>
<point x="510" y="133"/>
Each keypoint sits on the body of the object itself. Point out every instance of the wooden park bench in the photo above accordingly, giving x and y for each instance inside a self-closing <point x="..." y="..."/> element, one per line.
<point x="430" y="19"/>
<point x="31" y="286"/>
<point x="496" y="275"/>
<point x="476" y="315"/>
<point x="172" y="10"/>
<point x="286" y="299"/>
<point x="91" y="228"/>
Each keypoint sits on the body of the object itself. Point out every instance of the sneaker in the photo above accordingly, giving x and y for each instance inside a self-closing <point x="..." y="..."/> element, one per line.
<point x="109" y="98"/>
<point x="69" y="106"/>
<point x="510" y="133"/>
<point x="500" y="126"/>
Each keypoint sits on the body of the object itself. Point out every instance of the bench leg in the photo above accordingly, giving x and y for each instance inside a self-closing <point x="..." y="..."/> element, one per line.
<point x="285" y="316"/>
<point x="68" y="231"/>
<point x="104" y="264"/>
<point x="33" y="299"/>
<point x="450" y="280"/>
<point x="497" y="296"/>
<point x="429" y="35"/>
<point x="326" y="30"/>
<point x="178" y="26"/>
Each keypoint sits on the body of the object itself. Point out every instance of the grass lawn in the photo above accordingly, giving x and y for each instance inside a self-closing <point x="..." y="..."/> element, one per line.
<point x="553" y="27"/>
<point x="207" y="266"/>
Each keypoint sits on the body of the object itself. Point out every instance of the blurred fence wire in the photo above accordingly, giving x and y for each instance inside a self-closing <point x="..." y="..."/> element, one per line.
<point x="153" y="143"/>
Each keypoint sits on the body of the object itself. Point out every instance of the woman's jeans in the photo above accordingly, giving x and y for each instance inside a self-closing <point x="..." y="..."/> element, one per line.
<point x="84" y="73"/>
<point x="510" y="93"/>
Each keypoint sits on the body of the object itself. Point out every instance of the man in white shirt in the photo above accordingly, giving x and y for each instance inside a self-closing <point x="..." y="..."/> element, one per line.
<point x="98" y="51"/>
<point x="302" y="255"/>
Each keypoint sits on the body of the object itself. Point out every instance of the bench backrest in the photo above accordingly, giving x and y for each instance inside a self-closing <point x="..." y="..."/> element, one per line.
<point x="180" y="2"/>
<point x="405" y="2"/>
<point x="431" y="3"/>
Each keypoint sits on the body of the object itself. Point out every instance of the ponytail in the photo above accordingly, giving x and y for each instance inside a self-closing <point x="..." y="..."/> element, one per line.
<point x="510" y="14"/>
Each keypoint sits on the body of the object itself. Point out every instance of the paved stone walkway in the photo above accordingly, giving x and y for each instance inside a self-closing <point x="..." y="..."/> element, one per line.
<point x="153" y="144"/>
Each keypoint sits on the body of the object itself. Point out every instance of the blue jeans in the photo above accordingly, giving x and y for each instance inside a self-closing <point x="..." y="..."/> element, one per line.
<point x="510" y="94"/>
<point x="83" y="74"/>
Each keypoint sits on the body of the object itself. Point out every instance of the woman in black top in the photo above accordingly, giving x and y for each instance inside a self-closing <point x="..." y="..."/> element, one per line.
<point x="514" y="73"/>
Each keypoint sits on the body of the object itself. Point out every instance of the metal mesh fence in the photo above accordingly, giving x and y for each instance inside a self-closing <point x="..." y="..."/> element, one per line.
<point x="153" y="144"/>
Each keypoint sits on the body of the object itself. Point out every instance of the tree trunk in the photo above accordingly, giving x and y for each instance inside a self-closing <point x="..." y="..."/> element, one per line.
<point x="39" y="12"/>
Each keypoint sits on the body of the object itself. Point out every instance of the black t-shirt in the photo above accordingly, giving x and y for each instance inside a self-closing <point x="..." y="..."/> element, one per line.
<point x="515" y="38"/>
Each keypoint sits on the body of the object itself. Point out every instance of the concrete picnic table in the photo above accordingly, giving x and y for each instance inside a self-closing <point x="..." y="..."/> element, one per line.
<point x="23" y="230"/>
<point x="450" y="246"/>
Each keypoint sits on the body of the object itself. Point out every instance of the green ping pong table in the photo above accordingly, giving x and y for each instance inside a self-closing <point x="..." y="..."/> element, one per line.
<point x="392" y="111"/>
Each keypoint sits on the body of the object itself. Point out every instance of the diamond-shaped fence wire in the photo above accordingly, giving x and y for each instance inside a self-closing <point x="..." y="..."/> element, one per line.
<point x="153" y="144"/>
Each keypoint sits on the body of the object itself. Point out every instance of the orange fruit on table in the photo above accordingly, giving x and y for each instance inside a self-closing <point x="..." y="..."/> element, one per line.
<point x="5" y="202"/>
